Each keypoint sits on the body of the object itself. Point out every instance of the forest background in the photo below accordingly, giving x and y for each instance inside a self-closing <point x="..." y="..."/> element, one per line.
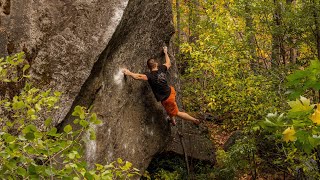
<point x="251" y="66"/>
<point x="254" y="66"/>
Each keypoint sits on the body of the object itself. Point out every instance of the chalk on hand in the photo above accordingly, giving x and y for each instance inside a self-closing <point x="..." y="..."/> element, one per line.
<point x="118" y="77"/>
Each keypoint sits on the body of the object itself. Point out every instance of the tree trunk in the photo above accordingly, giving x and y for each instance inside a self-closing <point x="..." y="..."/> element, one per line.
<point x="189" y="19"/>
<point x="293" y="51"/>
<point x="292" y="40"/>
<point x="278" y="50"/>
<point x="193" y="19"/>
<point x="317" y="32"/>
<point x="178" y="25"/>
<point x="275" y="38"/>
<point x="317" y="28"/>
<point x="250" y="35"/>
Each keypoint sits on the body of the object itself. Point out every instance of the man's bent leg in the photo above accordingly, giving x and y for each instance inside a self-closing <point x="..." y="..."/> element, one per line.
<point x="187" y="117"/>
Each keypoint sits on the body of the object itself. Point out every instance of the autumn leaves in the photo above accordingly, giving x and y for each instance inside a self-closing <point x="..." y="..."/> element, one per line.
<point x="298" y="106"/>
<point x="289" y="134"/>
<point x="315" y="117"/>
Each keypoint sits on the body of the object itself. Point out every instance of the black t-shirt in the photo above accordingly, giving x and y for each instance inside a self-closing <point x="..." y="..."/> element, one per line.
<point x="158" y="83"/>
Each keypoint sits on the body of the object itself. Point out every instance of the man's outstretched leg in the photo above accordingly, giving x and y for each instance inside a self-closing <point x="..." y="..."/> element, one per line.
<point x="187" y="117"/>
<point x="172" y="109"/>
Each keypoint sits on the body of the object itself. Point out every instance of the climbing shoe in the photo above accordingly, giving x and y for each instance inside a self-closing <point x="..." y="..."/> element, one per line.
<point x="171" y="120"/>
<point x="197" y="122"/>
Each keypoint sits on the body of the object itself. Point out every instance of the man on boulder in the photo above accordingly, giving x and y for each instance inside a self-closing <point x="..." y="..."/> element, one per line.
<point x="157" y="79"/>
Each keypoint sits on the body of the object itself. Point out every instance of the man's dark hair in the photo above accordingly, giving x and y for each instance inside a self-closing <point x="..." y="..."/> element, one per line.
<point x="151" y="63"/>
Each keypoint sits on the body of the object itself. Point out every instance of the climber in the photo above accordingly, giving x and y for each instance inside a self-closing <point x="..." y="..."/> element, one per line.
<point x="162" y="91"/>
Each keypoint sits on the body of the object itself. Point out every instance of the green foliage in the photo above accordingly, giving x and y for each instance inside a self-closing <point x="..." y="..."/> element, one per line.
<point x="240" y="158"/>
<point x="167" y="175"/>
<point x="220" y="72"/>
<point x="234" y="59"/>
<point x="302" y="80"/>
<point x="299" y="126"/>
<point x="230" y="57"/>
<point x="28" y="106"/>
<point x="301" y="135"/>
<point x="9" y="68"/>
<point x="116" y="170"/>
<point x="168" y="166"/>
<point x="173" y="166"/>
<point x="300" y="123"/>
<point x="223" y="85"/>
<point x="295" y="126"/>
<point x="32" y="148"/>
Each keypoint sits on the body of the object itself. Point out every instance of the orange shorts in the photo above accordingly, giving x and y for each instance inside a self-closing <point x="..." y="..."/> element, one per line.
<point x="170" y="104"/>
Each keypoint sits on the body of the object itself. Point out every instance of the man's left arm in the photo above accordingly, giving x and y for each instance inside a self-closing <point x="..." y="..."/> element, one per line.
<point x="135" y="76"/>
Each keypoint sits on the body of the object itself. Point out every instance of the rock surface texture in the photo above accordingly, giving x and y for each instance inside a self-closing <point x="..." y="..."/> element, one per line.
<point x="78" y="47"/>
<point x="62" y="39"/>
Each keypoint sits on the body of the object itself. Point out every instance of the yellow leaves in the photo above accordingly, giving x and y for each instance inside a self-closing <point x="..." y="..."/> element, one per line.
<point x="300" y="105"/>
<point x="212" y="104"/>
<point x="315" y="117"/>
<point x="186" y="48"/>
<point x="263" y="54"/>
<point x="289" y="134"/>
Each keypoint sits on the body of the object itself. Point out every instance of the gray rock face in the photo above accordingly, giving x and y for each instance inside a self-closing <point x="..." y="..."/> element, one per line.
<point x="78" y="47"/>
<point x="62" y="39"/>
<point x="134" y="127"/>
<point x="193" y="141"/>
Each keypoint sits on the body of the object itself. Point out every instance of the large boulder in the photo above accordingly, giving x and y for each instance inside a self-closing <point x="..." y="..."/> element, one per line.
<point x="78" y="47"/>
<point x="62" y="40"/>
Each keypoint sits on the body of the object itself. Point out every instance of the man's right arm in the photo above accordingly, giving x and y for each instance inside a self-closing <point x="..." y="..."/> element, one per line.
<point x="168" y="62"/>
<point x="135" y="75"/>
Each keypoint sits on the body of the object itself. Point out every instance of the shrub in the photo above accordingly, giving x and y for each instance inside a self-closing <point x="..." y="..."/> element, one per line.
<point x="32" y="148"/>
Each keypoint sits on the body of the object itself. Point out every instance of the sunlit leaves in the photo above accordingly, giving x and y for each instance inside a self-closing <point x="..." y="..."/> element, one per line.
<point x="289" y="134"/>
<point x="67" y="128"/>
<point x="30" y="104"/>
<point x="29" y="150"/>
<point x="94" y="119"/>
<point x="272" y="121"/>
<point x="315" y="117"/>
<point x="306" y="79"/>
<point x="78" y="111"/>
<point x="118" y="169"/>
<point x="296" y="126"/>
<point x="218" y="67"/>
<point x="21" y="171"/>
<point x="217" y="76"/>
<point x="300" y="105"/>
<point x="53" y="132"/>
<point x="9" y="68"/>
<point x="47" y="122"/>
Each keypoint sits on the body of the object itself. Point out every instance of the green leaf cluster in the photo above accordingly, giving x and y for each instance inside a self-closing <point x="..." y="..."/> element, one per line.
<point x="234" y="60"/>
<point x="240" y="158"/>
<point x="305" y="132"/>
<point x="31" y="147"/>
<point x="217" y="75"/>
<point x="9" y="67"/>
<point x="303" y="80"/>
<point x="226" y="88"/>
